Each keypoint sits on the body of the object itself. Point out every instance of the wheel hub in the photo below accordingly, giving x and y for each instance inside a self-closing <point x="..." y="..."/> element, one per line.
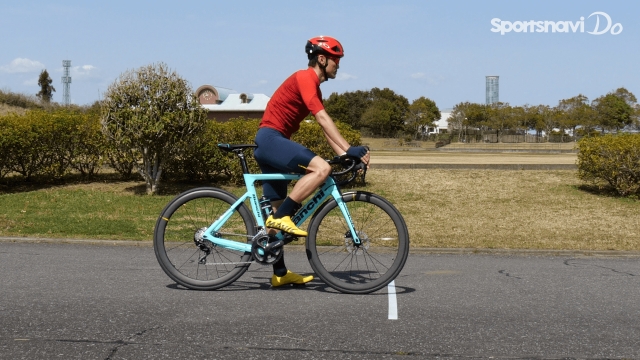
<point x="352" y="247"/>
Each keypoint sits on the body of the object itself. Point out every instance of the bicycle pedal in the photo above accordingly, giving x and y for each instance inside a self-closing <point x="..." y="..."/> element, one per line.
<point x="289" y="238"/>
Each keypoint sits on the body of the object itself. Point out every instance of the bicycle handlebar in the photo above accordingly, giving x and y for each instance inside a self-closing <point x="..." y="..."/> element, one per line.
<point x="350" y="165"/>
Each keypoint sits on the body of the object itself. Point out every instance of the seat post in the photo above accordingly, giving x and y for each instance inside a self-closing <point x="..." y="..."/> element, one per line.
<point x="243" y="161"/>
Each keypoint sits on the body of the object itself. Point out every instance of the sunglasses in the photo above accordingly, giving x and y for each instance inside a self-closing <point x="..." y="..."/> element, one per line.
<point x="335" y="59"/>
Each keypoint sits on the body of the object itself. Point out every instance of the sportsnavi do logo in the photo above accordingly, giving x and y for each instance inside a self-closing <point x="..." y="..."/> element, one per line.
<point x="600" y="27"/>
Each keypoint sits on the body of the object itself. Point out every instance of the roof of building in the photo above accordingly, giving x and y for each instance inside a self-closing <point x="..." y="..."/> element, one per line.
<point x="240" y="102"/>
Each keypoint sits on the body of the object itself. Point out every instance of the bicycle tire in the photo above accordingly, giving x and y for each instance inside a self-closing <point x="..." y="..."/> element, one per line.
<point x="178" y="253"/>
<point x="384" y="244"/>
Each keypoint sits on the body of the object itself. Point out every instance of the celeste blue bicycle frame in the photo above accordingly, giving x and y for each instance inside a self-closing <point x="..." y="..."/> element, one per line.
<point x="329" y="188"/>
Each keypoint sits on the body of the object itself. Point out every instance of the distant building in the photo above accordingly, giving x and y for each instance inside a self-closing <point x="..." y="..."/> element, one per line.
<point x="493" y="89"/>
<point x="442" y="125"/>
<point x="224" y="104"/>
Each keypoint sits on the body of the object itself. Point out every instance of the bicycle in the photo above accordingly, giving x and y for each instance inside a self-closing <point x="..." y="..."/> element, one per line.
<point x="206" y="238"/>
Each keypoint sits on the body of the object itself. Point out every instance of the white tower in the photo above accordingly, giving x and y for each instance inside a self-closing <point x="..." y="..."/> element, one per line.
<point x="66" y="82"/>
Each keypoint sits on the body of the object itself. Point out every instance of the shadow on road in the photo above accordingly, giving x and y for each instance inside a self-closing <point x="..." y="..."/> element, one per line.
<point x="315" y="285"/>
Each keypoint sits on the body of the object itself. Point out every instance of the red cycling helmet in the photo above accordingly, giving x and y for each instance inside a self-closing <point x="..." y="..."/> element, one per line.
<point x="324" y="45"/>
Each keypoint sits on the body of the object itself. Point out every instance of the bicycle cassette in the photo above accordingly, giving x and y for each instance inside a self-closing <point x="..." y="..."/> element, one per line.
<point x="266" y="250"/>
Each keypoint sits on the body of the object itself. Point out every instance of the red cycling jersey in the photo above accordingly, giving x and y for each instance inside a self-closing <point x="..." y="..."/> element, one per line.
<point x="298" y="96"/>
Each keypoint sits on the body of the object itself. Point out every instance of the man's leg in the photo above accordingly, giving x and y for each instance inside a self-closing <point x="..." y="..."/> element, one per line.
<point x="317" y="172"/>
<point x="281" y="275"/>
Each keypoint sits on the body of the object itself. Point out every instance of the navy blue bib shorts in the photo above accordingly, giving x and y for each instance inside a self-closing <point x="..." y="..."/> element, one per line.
<point x="277" y="154"/>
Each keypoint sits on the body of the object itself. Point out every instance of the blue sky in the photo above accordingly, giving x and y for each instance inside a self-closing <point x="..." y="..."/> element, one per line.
<point x="438" y="49"/>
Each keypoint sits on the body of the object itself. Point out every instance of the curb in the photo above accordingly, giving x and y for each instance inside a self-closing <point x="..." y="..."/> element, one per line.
<point x="141" y="243"/>
<point x="415" y="251"/>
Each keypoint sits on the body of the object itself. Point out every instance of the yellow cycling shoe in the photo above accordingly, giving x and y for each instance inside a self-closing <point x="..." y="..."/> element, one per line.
<point x="290" y="278"/>
<point x="285" y="224"/>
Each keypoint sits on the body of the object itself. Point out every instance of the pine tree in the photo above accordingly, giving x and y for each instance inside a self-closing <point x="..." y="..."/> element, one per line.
<point x="46" y="90"/>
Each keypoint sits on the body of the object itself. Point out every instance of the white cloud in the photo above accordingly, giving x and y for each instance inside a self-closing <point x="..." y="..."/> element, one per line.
<point x="429" y="79"/>
<point x="30" y="82"/>
<point x="22" y="65"/>
<point x="83" y="72"/>
<point x="345" y="76"/>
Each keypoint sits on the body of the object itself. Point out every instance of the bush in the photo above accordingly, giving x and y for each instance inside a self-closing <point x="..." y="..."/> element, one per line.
<point x="205" y="161"/>
<point x="86" y="148"/>
<point x="50" y="144"/>
<point x="31" y="144"/>
<point x="312" y="136"/>
<point x="611" y="160"/>
<point x="19" y="100"/>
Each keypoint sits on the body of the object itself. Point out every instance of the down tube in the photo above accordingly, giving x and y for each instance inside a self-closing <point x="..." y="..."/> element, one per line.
<point x="318" y="198"/>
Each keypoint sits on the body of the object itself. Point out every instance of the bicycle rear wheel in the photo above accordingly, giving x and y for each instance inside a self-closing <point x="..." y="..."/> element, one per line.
<point x="363" y="268"/>
<point x="180" y="249"/>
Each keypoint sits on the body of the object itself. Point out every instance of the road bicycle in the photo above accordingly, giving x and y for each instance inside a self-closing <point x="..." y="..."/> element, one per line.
<point x="206" y="238"/>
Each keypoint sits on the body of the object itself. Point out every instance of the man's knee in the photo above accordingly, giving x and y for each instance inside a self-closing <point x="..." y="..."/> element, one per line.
<point x="320" y="167"/>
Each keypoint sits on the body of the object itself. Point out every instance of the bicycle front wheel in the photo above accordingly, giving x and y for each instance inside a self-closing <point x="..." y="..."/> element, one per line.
<point x="182" y="253"/>
<point x="358" y="268"/>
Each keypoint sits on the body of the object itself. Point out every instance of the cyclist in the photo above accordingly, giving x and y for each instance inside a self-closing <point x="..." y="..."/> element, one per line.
<point x="298" y="96"/>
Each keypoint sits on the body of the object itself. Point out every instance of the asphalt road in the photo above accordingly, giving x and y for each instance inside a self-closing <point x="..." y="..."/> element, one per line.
<point x="72" y="301"/>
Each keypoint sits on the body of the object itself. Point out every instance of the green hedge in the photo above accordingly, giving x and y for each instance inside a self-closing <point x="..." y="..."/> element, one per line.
<point x="611" y="160"/>
<point x="205" y="161"/>
<point x="43" y="145"/>
<point x="50" y="144"/>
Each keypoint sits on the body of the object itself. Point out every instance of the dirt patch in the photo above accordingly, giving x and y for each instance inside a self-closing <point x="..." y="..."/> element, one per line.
<point x="436" y="157"/>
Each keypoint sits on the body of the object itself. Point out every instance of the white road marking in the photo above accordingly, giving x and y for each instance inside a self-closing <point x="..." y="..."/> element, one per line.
<point x="393" y="303"/>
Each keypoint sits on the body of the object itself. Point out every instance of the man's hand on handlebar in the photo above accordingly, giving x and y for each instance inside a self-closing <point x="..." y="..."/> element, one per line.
<point x="360" y="152"/>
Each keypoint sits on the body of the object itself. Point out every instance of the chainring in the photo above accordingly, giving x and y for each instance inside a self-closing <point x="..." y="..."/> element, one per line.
<point x="266" y="250"/>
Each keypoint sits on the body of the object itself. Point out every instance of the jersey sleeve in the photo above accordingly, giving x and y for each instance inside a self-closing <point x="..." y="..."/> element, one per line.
<point x="309" y="90"/>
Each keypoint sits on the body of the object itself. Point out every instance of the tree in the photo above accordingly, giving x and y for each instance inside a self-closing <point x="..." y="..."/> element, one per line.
<point x="468" y="115"/>
<point x="46" y="89"/>
<point x="542" y="118"/>
<point x="423" y="113"/>
<point x="378" y="118"/>
<point x="153" y="113"/>
<point x="615" y="110"/>
<point x="348" y="107"/>
<point x="354" y="109"/>
<point x="502" y="116"/>
<point x="575" y="112"/>
<point x="456" y="120"/>
<point x="396" y="108"/>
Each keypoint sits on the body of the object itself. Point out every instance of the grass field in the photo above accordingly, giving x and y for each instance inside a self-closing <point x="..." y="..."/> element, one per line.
<point x="442" y="208"/>
<point x="394" y="144"/>
<point x="437" y="157"/>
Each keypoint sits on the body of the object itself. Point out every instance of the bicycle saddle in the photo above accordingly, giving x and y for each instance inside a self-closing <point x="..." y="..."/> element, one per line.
<point x="230" y="147"/>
